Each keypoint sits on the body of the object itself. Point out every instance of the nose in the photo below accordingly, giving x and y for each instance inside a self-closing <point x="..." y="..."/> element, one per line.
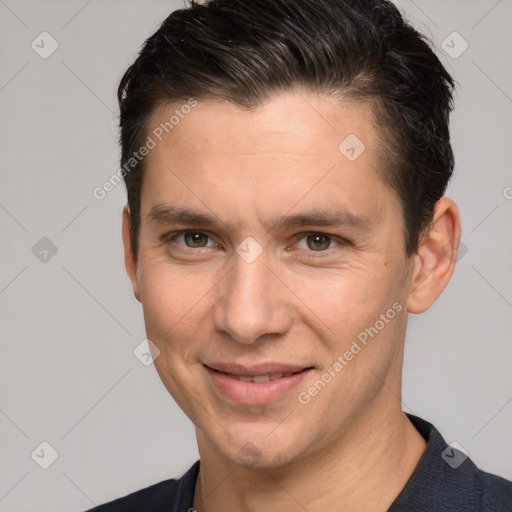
<point x="251" y="302"/>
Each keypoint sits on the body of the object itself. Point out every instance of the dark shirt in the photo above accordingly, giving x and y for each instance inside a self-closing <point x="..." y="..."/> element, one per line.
<point x="444" y="481"/>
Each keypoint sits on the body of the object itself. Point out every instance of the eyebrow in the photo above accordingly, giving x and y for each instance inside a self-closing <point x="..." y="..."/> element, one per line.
<point x="167" y="214"/>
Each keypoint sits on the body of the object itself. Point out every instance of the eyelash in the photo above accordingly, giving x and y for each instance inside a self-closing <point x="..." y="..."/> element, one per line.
<point x="171" y="237"/>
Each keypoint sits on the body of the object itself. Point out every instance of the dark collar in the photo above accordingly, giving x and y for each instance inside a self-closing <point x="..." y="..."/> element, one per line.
<point x="184" y="498"/>
<point x="444" y="478"/>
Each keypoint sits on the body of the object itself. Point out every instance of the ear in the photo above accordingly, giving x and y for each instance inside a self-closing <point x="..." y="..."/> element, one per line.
<point x="435" y="260"/>
<point x="130" y="261"/>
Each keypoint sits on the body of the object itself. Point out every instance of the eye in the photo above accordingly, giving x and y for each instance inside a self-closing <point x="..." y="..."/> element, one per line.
<point x="317" y="242"/>
<point x="193" y="239"/>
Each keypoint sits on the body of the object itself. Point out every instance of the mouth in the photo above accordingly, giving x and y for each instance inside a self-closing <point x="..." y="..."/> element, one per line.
<point x="266" y="377"/>
<point x="255" y="385"/>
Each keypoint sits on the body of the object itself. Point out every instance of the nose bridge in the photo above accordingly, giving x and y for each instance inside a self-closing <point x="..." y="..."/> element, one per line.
<point x="249" y="304"/>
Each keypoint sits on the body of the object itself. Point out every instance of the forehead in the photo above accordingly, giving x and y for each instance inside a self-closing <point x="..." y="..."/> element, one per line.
<point x="301" y="123"/>
<point x="295" y="150"/>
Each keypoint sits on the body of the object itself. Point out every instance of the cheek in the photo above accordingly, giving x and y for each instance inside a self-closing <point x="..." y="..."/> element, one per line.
<point x="176" y="321"/>
<point x="345" y="301"/>
<point x="174" y="303"/>
<point x="362" y="343"/>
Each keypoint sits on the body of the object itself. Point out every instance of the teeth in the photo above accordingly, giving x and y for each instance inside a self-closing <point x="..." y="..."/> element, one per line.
<point x="260" y="378"/>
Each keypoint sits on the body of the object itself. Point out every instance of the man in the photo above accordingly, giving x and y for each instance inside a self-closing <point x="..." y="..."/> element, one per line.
<point x="286" y="163"/>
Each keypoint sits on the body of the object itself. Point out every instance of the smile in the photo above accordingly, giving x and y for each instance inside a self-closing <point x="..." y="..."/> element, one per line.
<point x="257" y="385"/>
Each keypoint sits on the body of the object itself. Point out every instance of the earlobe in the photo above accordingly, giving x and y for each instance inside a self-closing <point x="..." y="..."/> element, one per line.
<point x="129" y="258"/>
<point x="435" y="260"/>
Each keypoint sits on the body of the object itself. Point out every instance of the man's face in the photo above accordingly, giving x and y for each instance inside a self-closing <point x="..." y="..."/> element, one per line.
<point x="323" y="267"/>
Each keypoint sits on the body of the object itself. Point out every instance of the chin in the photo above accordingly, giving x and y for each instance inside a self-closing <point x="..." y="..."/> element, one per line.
<point x="257" y="450"/>
<point x="252" y="457"/>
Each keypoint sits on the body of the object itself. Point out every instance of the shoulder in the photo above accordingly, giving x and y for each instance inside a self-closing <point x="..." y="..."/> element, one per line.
<point x="158" y="497"/>
<point x="496" y="493"/>
<point x="169" y="496"/>
<point x="448" y="480"/>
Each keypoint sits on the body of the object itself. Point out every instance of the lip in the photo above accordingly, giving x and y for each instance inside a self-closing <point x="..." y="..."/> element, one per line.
<point x="255" y="393"/>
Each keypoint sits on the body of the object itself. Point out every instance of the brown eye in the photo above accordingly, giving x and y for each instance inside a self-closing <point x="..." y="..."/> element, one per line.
<point x="318" y="242"/>
<point x="195" y="239"/>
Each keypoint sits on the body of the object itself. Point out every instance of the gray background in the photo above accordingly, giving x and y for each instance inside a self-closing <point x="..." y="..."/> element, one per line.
<point x="69" y="325"/>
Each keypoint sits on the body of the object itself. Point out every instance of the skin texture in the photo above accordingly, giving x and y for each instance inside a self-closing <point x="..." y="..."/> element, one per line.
<point x="351" y="444"/>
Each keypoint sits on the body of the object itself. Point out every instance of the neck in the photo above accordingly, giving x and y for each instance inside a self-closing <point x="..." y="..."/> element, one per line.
<point x="363" y="470"/>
